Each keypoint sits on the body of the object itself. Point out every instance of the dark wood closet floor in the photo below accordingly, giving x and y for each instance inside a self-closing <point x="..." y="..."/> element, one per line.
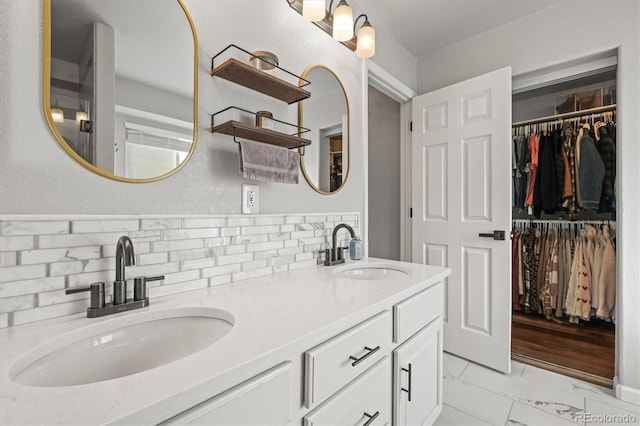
<point x="584" y="351"/>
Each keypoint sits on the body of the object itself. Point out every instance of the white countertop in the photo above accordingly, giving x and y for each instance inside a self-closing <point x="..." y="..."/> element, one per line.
<point x="269" y="313"/>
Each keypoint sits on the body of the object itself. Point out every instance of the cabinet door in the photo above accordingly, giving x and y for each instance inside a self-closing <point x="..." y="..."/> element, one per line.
<point x="417" y="377"/>
<point x="261" y="400"/>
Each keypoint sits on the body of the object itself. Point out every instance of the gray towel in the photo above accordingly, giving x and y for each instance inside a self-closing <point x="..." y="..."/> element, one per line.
<point x="268" y="163"/>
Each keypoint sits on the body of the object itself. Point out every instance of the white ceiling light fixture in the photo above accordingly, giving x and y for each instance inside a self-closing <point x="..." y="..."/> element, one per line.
<point x="366" y="37"/>
<point x="81" y="115"/>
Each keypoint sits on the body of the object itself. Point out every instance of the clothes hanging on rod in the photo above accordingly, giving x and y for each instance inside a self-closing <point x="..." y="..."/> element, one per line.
<point x="565" y="165"/>
<point x="564" y="269"/>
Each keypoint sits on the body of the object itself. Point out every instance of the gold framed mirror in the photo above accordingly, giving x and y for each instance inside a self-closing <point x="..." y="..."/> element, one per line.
<point x="325" y="163"/>
<point x="120" y="90"/>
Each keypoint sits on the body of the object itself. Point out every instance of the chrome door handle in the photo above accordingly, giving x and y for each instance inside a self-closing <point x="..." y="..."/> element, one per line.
<point x="496" y="235"/>
<point x="370" y="352"/>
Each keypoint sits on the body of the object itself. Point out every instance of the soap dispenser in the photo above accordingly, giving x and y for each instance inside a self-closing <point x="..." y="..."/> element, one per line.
<point x="355" y="248"/>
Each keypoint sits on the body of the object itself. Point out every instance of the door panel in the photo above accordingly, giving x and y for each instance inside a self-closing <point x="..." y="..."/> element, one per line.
<point x="461" y="187"/>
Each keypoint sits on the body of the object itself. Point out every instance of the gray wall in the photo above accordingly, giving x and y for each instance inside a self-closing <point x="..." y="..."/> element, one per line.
<point x="36" y="174"/>
<point x="570" y="30"/>
<point x="384" y="176"/>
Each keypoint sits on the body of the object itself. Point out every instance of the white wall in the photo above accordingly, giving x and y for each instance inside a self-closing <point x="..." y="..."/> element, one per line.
<point x="35" y="173"/>
<point x="570" y="30"/>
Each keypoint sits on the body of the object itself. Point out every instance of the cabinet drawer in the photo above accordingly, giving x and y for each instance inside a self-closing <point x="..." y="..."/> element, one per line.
<point x="334" y="363"/>
<point x="262" y="400"/>
<point x="413" y="313"/>
<point x="367" y="397"/>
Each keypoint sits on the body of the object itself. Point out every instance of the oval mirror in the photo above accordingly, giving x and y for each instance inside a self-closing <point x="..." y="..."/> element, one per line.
<point x="325" y="162"/>
<point x="120" y="85"/>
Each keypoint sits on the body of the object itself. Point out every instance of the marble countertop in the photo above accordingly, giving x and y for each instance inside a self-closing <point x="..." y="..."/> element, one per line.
<point x="270" y="313"/>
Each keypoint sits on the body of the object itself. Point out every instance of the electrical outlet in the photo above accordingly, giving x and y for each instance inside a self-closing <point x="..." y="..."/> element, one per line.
<point x="250" y="198"/>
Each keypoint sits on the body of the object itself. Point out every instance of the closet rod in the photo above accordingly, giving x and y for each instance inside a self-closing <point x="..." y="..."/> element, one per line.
<point x="561" y="222"/>
<point x="566" y="115"/>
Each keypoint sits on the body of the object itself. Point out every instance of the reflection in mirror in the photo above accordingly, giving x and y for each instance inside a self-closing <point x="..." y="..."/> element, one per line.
<point x="120" y="87"/>
<point x="325" y="163"/>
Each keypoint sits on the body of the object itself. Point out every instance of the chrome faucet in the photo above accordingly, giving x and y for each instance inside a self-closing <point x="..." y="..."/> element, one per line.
<point x="335" y="255"/>
<point x="124" y="257"/>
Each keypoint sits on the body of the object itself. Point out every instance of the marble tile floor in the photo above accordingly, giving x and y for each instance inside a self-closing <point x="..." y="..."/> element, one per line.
<point x="475" y="395"/>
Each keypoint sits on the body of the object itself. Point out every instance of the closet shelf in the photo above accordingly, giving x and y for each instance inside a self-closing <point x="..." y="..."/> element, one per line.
<point x="238" y="129"/>
<point x="261" y="81"/>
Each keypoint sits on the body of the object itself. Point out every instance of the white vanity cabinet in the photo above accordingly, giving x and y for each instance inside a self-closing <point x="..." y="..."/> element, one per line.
<point x="417" y="361"/>
<point x="262" y="400"/>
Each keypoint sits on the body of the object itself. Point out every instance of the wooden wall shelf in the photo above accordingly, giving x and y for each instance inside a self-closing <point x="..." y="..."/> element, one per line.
<point x="238" y="129"/>
<point x="248" y="76"/>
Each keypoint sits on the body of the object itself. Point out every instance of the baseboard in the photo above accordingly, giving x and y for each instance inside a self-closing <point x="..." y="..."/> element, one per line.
<point x="626" y="393"/>
<point x="566" y="371"/>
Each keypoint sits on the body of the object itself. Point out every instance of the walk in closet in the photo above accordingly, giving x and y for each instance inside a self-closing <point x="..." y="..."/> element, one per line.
<point x="563" y="226"/>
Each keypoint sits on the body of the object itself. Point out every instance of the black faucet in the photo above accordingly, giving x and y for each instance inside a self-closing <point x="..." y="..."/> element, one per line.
<point x="335" y="255"/>
<point x="124" y="257"/>
<point x="98" y="307"/>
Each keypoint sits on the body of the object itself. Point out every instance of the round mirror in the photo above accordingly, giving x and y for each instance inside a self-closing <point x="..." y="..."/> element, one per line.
<point x="325" y="163"/>
<point x="120" y="85"/>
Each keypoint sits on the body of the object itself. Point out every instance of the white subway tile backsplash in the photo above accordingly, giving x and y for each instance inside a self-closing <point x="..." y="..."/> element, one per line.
<point x="17" y="243"/>
<point x="234" y="258"/>
<point x="175" y="223"/>
<point x="87" y="226"/>
<point x="240" y="221"/>
<point x="40" y="257"/>
<point x="81" y="266"/>
<point x="203" y="253"/>
<point x="31" y="257"/>
<point x="265" y="246"/>
<point x="187" y="234"/>
<point x="8" y="258"/>
<point x="270" y="220"/>
<point x="16" y="288"/>
<point x="17" y="303"/>
<point x="11" y="227"/>
<point x="78" y="240"/>
<point x="214" y="222"/>
<point x="153" y="258"/>
<point x="219" y="280"/>
<point x="47" y="312"/>
<point x="176" y="245"/>
<point x="264" y="229"/>
<point x="245" y="275"/>
<point x="221" y="270"/>
<point x="181" y="277"/>
<point x="17" y="273"/>
<point x="165" y="290"/>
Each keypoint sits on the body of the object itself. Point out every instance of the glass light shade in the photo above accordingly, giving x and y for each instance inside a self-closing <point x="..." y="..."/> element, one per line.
<point x="313" y="10"/>
<point x="343" y="22"/>
<point x="81" y="115"/>
<point x="57" y="114"/>
<point x="366" y="47"/>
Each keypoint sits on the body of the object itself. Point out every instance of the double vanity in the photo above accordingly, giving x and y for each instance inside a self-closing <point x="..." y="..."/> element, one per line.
<point x="359" y="343"/>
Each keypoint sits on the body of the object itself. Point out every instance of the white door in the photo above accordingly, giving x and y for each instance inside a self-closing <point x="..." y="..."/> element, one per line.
<point x="461" y="162"/>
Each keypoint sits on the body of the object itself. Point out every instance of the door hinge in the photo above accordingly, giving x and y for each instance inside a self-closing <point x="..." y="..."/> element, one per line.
<point x="411" y="126"/>
<point x="410" y="211"/>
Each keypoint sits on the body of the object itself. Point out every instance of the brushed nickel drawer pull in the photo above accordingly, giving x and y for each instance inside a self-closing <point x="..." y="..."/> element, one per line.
<point x="371" y="418"/>
<point x="357" y="361"/>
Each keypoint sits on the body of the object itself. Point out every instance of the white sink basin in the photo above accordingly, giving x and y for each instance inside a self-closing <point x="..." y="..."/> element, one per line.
<point x="121" y="347"/>
<point x="371" y="271"/>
